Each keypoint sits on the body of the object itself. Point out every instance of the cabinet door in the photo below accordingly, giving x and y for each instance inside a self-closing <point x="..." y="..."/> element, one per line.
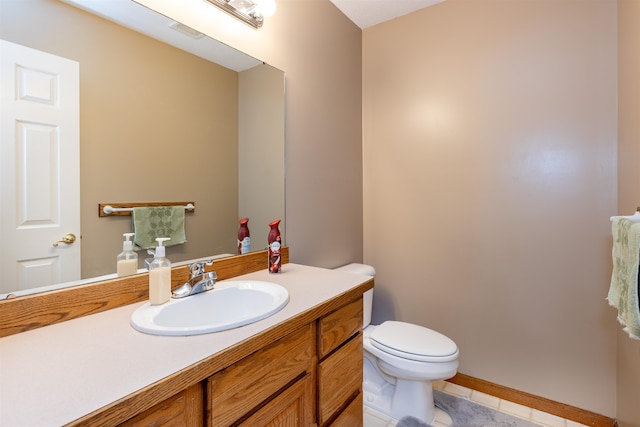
<point x="183" y="409"/>
<point x="291" y="408"/>
<point x="335" y="328"/>
<point x="239" y="389"/>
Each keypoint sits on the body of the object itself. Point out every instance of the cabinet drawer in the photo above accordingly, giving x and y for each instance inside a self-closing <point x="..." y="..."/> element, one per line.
<point x="353" y="416"/>
<point x="233" y="392"/>
<point x="339" y="378"/>
<point x="335" y="328"/>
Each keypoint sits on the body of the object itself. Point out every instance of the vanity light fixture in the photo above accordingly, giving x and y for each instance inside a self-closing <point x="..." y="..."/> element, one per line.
<point x="251" y="12"/>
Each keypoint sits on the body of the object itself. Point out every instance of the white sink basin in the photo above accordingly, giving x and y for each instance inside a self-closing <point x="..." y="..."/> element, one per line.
<point x="229" y="305"/>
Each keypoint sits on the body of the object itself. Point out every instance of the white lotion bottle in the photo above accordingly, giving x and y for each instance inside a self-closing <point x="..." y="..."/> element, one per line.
<point x="127" y="260"/>
<point x="160" y="276"/>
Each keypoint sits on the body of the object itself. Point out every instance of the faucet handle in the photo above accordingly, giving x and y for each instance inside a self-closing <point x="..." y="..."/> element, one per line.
<point x="197" y="268"/>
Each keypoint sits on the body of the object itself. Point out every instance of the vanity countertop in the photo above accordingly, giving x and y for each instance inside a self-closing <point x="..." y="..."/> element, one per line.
<point x="56" y="374"/>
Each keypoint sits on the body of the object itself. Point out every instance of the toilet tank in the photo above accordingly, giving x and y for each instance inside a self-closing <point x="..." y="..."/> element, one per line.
<point x="367" y="297"/>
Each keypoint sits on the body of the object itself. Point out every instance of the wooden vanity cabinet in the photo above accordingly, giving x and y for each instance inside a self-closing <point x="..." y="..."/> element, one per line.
<point x="340" y="360"/>
<point x="310" y="377"/>
<point x="303" y="371"/>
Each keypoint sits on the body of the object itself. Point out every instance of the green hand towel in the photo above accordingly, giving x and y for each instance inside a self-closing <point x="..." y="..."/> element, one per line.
<point x="623" y="291"/>
<point x="158" y="221"/>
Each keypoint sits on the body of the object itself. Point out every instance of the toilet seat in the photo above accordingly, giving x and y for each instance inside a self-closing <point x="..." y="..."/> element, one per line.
<point x="413" y="342"/>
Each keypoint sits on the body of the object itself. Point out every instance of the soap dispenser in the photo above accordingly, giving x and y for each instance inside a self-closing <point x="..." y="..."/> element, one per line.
<point x="127" y="260"/>
<point x="159" y="275"/>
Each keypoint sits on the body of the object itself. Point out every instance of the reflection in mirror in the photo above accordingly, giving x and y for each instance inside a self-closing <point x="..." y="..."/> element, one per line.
<point x="158" y="124"/>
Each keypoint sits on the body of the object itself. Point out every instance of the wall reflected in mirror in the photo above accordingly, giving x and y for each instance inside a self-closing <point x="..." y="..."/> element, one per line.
<point x="161" y="124"/>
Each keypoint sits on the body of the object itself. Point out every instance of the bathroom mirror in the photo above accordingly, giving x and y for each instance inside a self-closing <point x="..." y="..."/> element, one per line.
<point x="143" y="140"/>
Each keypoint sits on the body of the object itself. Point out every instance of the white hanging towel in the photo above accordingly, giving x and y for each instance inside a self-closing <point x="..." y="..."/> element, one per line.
<point x="623" y="291"/>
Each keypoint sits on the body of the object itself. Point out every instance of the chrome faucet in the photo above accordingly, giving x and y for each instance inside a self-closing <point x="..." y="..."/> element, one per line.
<point x="200" y="281"/>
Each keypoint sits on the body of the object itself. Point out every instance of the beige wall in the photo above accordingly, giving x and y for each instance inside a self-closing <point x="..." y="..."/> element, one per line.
<point x="628" y="373"/>
<point x="489" y="179"/>
<point x="144" y="128"/>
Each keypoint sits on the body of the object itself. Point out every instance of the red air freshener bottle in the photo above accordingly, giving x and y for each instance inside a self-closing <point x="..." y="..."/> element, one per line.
<point x="275" y="261"/>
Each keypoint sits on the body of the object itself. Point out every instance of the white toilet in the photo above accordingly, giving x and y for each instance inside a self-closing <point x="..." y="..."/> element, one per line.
<point x="401" y="360"/>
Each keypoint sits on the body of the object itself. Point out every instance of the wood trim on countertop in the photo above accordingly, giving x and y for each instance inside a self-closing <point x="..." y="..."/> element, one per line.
<point x="562" y="410"/>
<point x="35" y="311"/>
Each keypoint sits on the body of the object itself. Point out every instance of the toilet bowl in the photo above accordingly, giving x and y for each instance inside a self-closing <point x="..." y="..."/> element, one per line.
<point x="401" y="360"/>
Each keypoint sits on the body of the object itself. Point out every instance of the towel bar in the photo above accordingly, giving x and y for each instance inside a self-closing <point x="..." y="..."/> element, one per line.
<point x="635" y="217"/>
<point x="120" y="209"/>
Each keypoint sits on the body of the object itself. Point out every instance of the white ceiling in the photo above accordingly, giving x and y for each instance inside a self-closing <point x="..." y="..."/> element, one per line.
<point x="132" y="14"/>
<point x="366" y="13"/>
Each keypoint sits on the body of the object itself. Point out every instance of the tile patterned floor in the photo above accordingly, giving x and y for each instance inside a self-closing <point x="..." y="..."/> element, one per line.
<point x="375" y="419"/>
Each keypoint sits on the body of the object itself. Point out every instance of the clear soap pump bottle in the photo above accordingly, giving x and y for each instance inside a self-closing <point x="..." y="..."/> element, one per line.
<point x="127" y="260"/>
<point x="160" y="275"/>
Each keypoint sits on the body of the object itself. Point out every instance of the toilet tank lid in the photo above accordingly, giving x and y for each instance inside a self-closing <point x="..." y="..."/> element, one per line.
<point x="357" y="268"/>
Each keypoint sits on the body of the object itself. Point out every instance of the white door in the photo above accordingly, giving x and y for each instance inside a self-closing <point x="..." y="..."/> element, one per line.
<point x="39" y="168"/>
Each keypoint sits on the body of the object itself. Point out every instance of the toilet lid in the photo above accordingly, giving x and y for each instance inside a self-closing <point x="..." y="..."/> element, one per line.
<point x="413" y="342"/>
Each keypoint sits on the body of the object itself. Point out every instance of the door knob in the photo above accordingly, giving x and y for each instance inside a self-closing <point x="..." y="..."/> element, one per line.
<point x="68" y="239"/>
